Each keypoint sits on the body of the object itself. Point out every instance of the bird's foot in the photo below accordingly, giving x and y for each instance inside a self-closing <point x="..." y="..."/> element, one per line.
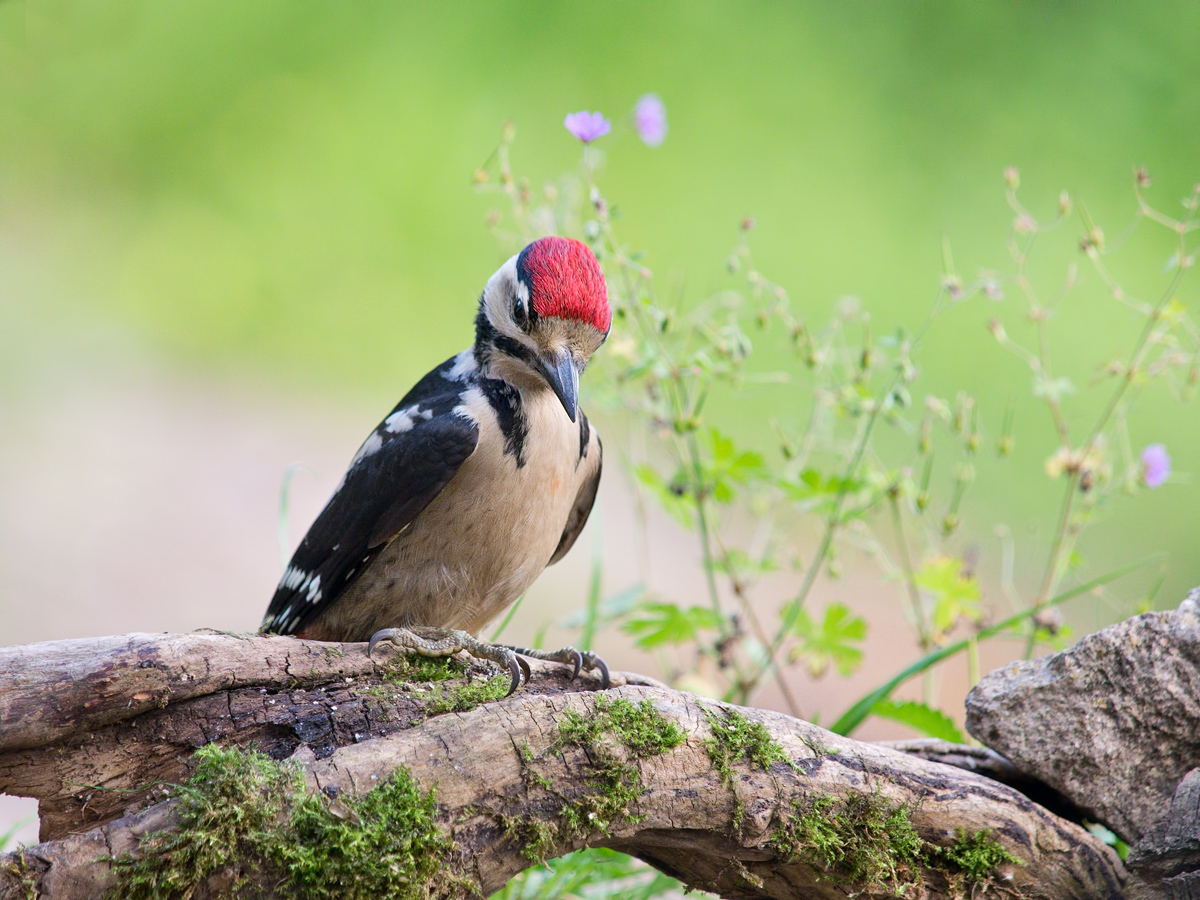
<point x="429" y="641"/>
<point x="580" y="659"/>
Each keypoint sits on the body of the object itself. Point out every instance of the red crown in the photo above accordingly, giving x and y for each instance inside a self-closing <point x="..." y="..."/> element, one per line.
<point x="565" y="280"/>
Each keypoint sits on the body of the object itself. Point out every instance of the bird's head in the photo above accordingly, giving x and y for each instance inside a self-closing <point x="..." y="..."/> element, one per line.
<point x="542" y="316"/>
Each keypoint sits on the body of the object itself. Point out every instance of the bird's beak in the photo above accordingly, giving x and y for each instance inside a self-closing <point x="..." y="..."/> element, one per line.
<point x="559" y="369"/>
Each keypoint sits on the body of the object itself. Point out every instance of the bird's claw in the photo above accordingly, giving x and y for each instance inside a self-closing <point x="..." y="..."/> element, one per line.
<point x="578" y="660"/>
<point x="585" y="659"/>
<point x="430" y="641"/>
<point x="592" y="661"/>
<point x="436" y="642"/>
<point x="514" y="670"/>
<point x="384" y="634"/>
<point x="518" y="666"/>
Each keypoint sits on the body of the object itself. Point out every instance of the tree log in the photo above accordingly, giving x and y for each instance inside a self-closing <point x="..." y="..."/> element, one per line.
<point x="95" y="729"/>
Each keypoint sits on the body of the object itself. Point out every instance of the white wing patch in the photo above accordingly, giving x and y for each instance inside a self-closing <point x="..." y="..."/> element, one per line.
<point x="293" y="578"/>
<point x="404" y="420"/>
<point x="400" y="421"/>
<point x="302" y="582"/>
<point x="371" y="445"/>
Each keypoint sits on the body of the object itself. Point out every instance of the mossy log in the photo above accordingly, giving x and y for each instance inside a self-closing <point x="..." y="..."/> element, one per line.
<point x="740" y="802"/>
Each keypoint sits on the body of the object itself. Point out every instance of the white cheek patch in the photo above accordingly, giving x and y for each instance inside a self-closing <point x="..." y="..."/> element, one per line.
<point x="498" y="297"/>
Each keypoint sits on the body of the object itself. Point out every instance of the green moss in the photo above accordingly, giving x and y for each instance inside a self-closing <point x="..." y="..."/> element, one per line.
<point x="869" y="841"/>
<point x="20" y="869"/>
<point x="453" y="689"/>
<point x="736" y="738"/>
<point x="614" y="736"/>
<point x="535" y="836"/>
<point x="860" y="839"/>
<point x="642" y="729"/>
<point x="242" y="813"/>
<point x="976" y="855"/>
<point x="531" y="777"/>
<point x="467" y="695"/>
<point x="412" y="667"/>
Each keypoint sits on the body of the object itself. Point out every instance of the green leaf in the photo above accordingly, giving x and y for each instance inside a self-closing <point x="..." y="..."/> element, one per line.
<point x="729" y="467"/>
<point x="955" y="595"/>
<point x="666" y="623"/>
<point x="740" y="564"/>
<point x="854" y="716"/>
<point x="925" y="719"/>
<point x="811" y="485"/>
<point x="669" y="495"/>
<point x="593" y="874"/>
<point x="831" y="642"/>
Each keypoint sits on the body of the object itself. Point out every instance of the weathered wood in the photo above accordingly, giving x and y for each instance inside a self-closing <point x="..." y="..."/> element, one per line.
<point x="102" y="755"/>
<point x="987" y="762"/>
<point x="55" y="690"/>
<point x="719" y="836"/>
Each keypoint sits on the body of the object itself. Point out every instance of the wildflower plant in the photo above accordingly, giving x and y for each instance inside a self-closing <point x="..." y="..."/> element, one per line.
<point x="587" y="126"/>
<point x="867" y="462"/>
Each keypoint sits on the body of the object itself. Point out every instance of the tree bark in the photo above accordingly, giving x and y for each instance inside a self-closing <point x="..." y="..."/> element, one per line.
<point x="94" y="729"/>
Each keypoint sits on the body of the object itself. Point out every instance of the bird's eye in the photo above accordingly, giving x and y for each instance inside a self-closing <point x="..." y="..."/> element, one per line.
<point x="519" y="314"/>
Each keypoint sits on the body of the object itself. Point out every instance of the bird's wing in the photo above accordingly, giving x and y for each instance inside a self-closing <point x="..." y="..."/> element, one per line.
<point x="589" y="445"/>
<point x="397" y="472"/>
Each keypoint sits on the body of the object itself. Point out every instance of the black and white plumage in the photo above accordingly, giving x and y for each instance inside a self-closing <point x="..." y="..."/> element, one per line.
<point x="483" y="474"/>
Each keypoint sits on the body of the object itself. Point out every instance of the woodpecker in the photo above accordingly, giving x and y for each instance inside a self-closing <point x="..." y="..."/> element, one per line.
<point x="480" y="477"/>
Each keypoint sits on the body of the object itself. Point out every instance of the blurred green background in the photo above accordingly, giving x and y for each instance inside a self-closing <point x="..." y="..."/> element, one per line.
<point x="232" y="234"/>
<point x="275" y="197"/>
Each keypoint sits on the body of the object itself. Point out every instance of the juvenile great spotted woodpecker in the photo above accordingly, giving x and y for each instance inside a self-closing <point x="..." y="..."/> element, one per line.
<point x="483" y="475"/>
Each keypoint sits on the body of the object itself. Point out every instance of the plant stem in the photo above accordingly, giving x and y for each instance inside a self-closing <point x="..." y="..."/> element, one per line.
<point x="594" y="584"/>
<point x="1061" y="543"/>
<point x="831" y="526"/>
<point x="740" y="692"/>
<point x="854" y="716"/>
<point x="702" y="524"/>
<point x="508" y="618"/>
<point x="910" y="578"/>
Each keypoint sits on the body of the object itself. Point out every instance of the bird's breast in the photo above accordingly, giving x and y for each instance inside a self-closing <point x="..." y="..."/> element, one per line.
<point x="504" y="513"/>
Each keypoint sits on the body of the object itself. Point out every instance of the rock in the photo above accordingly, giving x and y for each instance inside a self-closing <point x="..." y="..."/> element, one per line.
<point x="1170" y="851"/>
<point x="1113" y="723"/>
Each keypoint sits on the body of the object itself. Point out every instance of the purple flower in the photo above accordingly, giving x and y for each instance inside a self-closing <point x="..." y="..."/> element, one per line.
<point x="650" y="120"/>
<point x="587" y="126"/>
<point x="1156" y="465"/>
